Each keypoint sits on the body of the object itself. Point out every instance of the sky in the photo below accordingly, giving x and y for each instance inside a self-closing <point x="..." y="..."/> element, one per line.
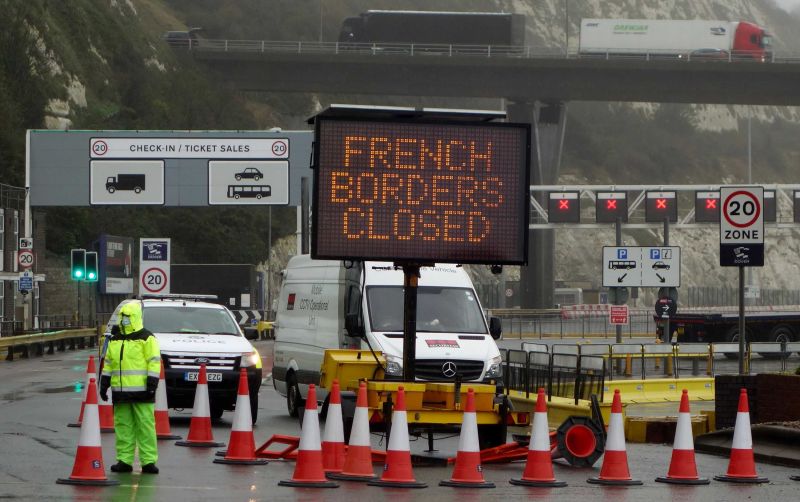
<point x="788" y="4"/>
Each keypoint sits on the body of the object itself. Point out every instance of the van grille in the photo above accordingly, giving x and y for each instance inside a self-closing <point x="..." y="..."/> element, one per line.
<point x="432" y="369"/>
<point x="215" y="362"/>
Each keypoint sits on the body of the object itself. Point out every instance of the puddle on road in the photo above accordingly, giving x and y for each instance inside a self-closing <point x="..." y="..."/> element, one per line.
<point x="76" y="387"/>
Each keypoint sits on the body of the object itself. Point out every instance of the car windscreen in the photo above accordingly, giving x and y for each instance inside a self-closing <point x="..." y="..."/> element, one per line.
<point x="439" y="310"/>
<point x="189" y="320"/>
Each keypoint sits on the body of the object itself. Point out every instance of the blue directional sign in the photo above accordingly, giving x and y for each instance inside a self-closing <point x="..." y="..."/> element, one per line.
<point x="26" y="281"/>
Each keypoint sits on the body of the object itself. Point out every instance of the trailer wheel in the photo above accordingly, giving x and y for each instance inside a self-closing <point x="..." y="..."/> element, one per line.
<point x="779" y="334"/>
<point x="733" y="337"/>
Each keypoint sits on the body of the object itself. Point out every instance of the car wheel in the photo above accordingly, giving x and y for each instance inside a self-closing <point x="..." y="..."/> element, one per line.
<point x="216" y="412"/>
<point x="254" y="407"/>
<point x="293" y="399"/>
<point x="238" y="177"/>
<point x="256" y="177"/>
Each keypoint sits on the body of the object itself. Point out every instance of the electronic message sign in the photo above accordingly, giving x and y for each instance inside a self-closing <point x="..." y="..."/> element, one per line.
<point x="420" y="191"/>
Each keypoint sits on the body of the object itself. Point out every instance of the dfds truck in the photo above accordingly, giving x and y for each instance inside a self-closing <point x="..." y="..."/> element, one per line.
<point x="679" y="38"/>
<point x="327" y="304"/>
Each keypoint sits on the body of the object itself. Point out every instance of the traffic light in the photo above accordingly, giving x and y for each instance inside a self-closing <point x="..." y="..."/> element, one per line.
<point x="611" y="205"/>
<point x="770" y="207"/>
<point x="706" y="207"/>
<point x="661" y="206"/>
<point x="564" y="207"/>
<point x="91" y="266"/>
<point x="78" y="264"/>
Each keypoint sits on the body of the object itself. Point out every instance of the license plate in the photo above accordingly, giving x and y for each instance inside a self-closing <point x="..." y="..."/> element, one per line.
<point x="191" y="376"/>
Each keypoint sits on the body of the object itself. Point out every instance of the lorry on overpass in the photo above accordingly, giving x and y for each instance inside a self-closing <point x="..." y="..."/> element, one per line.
<point x="691" y="39"/>
<point x="431" y="27"/>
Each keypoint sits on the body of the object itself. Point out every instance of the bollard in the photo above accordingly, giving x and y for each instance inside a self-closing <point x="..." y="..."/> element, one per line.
<point x="628" y="365"/>
<point x="668" y="366"/>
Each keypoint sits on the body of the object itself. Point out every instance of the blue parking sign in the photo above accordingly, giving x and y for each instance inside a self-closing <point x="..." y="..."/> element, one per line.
<point x="622" y="254"/>
<point x="655" y="254"/>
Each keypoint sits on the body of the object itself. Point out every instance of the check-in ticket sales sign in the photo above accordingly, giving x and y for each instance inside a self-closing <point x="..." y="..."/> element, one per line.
<point x="188" y="148"/>
<point x="420" y="191"/>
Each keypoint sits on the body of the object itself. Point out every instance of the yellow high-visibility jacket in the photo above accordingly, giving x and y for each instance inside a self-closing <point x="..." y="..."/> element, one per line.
<point x="133" y="360"/>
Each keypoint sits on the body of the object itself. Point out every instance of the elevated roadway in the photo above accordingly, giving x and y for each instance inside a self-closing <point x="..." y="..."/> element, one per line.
<point x="516" y="73"/>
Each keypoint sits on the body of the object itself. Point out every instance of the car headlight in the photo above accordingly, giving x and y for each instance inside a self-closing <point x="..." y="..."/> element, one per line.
<point x="394" y="367"/>
<point x="251" y="359"/>
<point x="495" y="367"/>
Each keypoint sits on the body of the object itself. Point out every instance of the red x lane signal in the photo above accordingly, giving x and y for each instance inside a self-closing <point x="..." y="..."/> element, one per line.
<point x="706" y="207"/>
<point x="711" y="203"/>
<point x="563" y="205"/>
<point x="661" y="203"/>
<point x="661" y="206"/>
<point x="611" y="207"/>
<point x="611" y="204"/>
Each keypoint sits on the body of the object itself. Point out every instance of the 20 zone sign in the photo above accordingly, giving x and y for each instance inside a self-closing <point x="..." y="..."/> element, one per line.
<point x="741" y="228"/>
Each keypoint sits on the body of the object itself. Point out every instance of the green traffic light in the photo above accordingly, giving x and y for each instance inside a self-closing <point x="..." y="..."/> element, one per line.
<point x="79" y="273"/>
<point x="91" y="276"/>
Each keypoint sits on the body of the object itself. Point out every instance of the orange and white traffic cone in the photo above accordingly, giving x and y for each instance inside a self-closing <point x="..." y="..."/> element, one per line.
<point x="682" y="467"/>
<point x="468" y="473"/>
<point x="242" y="445"/>
<point x="161" y="412"/>
<point x="91" y="373"/>
<point x="615" y="470"/>
<point x="397" y="471"/>
<point x="200" y="434"/>
<point x="358" y="459"/>
<point x="308" y="471"/>
<point x="333" y="438"/>
<point x="742" y="466"/>
<point x="106" y="411"/>
<point x="539" y="466"/>
<point x="88" y="468"/>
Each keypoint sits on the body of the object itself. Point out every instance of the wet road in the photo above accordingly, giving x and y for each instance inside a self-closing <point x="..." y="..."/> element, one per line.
<point x="39" y="397"/>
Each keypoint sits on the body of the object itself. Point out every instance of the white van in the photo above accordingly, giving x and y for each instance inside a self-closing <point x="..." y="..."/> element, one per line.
<point x="324" y="304"/>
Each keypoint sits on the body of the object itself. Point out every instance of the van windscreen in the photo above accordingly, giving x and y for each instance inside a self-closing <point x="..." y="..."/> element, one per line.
<point x="439" y="310"/>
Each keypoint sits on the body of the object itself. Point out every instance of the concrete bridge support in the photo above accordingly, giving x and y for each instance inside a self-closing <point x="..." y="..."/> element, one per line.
<point x="548" y="120"/>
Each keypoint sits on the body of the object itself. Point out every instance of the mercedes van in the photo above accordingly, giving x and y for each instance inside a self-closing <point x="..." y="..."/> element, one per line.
<point x="327" y="304"/>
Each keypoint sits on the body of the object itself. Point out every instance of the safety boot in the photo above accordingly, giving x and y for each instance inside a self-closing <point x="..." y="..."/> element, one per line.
<point x="149" y="469"/>
<point x="121" y="466"/>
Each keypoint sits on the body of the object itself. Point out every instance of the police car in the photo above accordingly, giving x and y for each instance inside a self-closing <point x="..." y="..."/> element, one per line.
<point x="192" y="331"/>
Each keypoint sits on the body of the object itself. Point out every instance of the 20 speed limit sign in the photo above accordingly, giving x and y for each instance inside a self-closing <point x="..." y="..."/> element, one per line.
<point x="741" y="228"/>
<point x="25" y="258"/>
<point x="154" y="280"/>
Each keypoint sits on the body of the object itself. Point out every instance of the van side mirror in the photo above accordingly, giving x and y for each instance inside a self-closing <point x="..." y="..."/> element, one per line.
<point x="353" y="326"/>
<point x="495" y="327"/>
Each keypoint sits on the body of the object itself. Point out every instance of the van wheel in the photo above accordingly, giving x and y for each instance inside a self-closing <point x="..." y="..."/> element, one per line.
<point x="254" y="407"/>
<point x="293" y="399"/>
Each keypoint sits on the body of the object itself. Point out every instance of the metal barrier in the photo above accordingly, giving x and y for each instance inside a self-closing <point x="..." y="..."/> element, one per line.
<point x="694" y="353"/>
<point x="729" y="350"/>
<point x="788" y="349"/>
<point x="40" y="343"/>
<point x="560" y="324"/>
<point x="534" y="347"/>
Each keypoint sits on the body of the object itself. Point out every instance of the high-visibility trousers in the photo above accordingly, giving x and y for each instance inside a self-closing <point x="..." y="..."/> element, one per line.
<point x="135" y="425"/>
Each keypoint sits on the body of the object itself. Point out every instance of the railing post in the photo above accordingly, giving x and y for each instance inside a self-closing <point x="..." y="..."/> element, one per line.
<point x="299" y="47"/>
<point x="226" y="45"/>
<point x="262" y="46"/>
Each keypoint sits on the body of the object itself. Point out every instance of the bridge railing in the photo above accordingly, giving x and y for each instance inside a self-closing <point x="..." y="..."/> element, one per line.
<point x="518" y="51"/>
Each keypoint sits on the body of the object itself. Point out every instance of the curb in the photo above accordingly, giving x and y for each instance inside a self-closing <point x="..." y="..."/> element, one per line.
<point x="772" y="444"/>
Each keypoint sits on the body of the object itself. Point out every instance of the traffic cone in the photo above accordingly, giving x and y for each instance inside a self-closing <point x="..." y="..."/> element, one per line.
<point x="242" y="445"/>
<point x="615" y="460"/>
<point x="742" y="466"/>
<point x="161" y="412"/>
<point x="91" y="372"/>
<point x="397" y="470"/>
<point x="682" y="467"/>
<point x="468" y="472"/>
<point x="308" y="471"/>
<point x="358" y="459"/>
<point x="200" y="434"/>
<point x="539" y="466"/>
<point x="106" y="411"/>
<point x="88" y="468"/>
<point x="333" y="438"/>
